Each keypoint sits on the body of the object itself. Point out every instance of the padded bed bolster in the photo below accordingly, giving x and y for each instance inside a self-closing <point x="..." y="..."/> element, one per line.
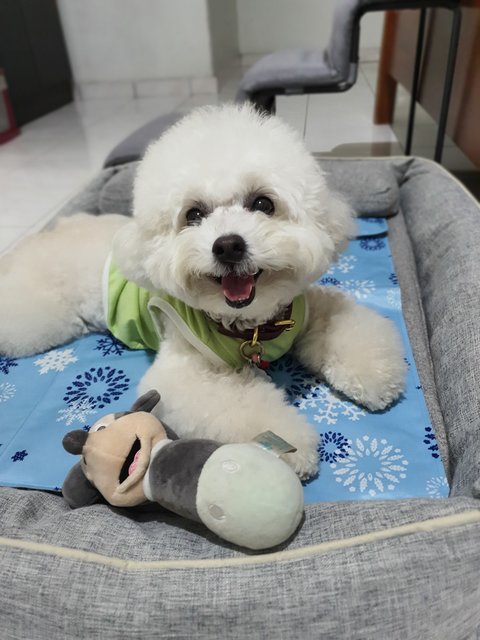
<point x="368" y="184"/>
<point x="363" y="570"/>
<point x="369" y="569"/>
<point x="371" y="194"/>
<point x="133" y="147"/>
<point x="443" y="221"/>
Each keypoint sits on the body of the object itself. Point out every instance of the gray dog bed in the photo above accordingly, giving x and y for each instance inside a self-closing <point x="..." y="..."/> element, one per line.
<point x="364" y="569"/>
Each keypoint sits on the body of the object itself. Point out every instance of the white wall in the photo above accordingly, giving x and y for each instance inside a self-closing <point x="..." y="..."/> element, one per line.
<point x="129" y="40"/>
<point x="144" y="47"/>
<point x="267" y="25"/>
<point x="222" y="17"/>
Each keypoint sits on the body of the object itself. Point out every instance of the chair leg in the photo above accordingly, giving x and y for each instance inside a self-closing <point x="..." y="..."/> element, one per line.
<point x="447" y="87"/>
<point x="416" y="81"/>
<point x="264" y="102"/>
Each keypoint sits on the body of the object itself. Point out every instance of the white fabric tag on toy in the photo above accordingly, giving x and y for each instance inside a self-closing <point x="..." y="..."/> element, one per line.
<point x="273" y="443"/>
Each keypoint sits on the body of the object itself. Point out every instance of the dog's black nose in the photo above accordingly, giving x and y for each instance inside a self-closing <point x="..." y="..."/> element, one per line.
<point x="229" y="249"/>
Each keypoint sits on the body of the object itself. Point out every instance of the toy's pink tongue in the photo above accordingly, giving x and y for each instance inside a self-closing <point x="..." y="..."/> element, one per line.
<point x="134" y="464"/>
<point x="237" y="288"/>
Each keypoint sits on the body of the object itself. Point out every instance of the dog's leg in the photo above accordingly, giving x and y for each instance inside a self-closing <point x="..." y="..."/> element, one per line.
<point x="224" y="405"/>
<point x="50" y="284"/>
<point x="357" y="351"/>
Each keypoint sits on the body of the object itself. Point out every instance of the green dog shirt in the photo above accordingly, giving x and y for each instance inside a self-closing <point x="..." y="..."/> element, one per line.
<point x="135" y="316"/>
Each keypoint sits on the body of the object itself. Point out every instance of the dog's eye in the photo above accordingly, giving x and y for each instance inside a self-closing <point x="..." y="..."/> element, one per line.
<point x="194" y="216"/>
<point x="263" y="204"/>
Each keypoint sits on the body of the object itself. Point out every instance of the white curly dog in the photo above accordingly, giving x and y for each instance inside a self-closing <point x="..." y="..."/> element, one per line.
<point x="233" y="223"/>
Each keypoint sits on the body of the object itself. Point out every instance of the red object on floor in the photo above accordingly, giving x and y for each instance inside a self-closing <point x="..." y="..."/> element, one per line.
<point x="8" y="126"/>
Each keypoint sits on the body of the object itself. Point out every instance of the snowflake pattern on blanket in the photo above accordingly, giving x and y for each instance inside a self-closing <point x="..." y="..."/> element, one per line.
<point x="7" y="391"/>
<point x="99" y="386"/>
<point x="370" y="466"/>
<point x="363" y="455"/>
<point x="6" y="364"/>
<point x="55" y="360"/>
<point x="77" y="411"/>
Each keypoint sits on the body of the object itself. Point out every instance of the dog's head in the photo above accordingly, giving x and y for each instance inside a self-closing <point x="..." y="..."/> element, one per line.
<point x="232" y="215"/>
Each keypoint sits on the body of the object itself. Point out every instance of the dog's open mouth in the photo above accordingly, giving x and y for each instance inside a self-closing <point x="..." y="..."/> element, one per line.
<point x="239" y="290"/>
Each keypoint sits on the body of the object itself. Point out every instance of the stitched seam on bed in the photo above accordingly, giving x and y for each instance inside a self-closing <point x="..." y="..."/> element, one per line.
<point x="424" y="526"/>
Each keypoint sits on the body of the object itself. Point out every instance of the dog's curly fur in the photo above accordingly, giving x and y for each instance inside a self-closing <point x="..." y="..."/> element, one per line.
<point x="217" y="161"/>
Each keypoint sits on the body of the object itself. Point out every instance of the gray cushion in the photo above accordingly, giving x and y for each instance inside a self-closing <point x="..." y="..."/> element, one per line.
<point x="375" y="196"/>
<point x="134" y="146"/>
<point x="443" y="224"/>
<point x="367" y="569"/>
<point x="371" y="194"/>
<point x="291" y="69"/>
<point x="116" y="195"/>
<point x="413" y="313"/>
<point x="109" y="192"/>
<point x="357" y="570"/>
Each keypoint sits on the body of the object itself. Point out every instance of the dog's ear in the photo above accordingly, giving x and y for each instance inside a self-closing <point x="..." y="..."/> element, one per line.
<point x="328" y="210"/>
<point x="340" y="219"/>
<point x="128" y="251"/>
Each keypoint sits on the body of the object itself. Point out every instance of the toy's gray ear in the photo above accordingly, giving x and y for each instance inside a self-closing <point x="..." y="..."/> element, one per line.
<point x="73" y="441"/>
<point x="77" y="489"/>
<point x="171" y="435"/>
<point x="147" y="402"/>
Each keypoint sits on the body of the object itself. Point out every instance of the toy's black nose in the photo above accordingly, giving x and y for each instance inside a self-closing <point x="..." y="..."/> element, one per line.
<point x="229" y="249"/>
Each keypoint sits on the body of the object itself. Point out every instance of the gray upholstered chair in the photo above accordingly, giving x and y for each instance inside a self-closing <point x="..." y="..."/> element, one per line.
<point x="334" y="69"/>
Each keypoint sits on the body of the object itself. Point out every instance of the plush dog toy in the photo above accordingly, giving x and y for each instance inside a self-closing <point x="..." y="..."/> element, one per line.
<point x="242" y="492"/>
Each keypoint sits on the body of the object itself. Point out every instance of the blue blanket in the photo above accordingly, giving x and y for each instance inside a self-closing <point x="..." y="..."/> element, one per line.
<point x="389" y="454"/>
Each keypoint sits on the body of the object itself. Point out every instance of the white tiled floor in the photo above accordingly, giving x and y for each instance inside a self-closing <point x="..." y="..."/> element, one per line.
<point x="57" y="154"/>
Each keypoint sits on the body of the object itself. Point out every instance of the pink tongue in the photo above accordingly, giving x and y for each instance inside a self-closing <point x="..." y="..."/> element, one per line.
<point x="237" y="287"/>
<point x="133" y="466"/>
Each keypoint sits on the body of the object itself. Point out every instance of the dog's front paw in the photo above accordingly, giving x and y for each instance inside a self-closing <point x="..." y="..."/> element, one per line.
<point x="376" y="384"/>
<point x="377" y="395"/>
<point x="366" y="362"/>
<point x="378" y="381"/>
<point x="304" y="461"/>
